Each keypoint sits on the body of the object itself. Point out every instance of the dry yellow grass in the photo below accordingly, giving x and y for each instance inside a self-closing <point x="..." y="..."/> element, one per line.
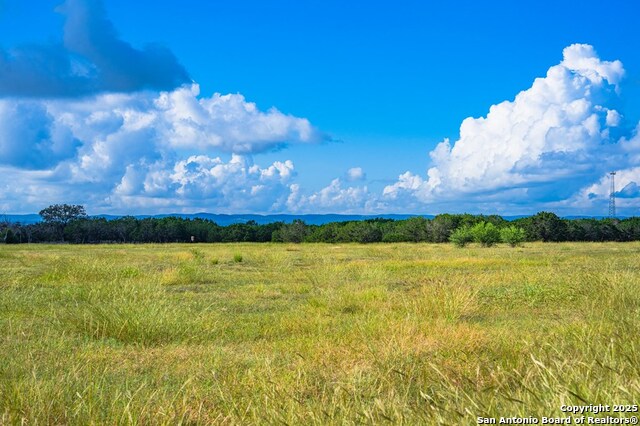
<point x="315" y="334"/>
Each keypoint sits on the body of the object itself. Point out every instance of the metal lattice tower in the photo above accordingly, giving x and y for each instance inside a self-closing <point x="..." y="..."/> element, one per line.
<point x="612" y="195"/>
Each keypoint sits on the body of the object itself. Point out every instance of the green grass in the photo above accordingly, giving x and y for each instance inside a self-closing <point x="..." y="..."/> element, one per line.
<point x="315" y="334"/>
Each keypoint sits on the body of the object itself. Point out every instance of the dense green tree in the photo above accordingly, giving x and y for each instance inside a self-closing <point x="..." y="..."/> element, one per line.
<point x="609" y="230"/>
<point x="629" y="229"/>
<point x="264" y="233"/>
<point x="544" y="226"/>
<point x="414" y="229"/>
<point x="60" y="215"/>
<point x="87" y="231"/>
<point x="327" y="233"/>
<point x="393" y="237"/>
<point x="239" y="232"/>
<point x="359" y="232"/>
<point x="485" y="233"/>
<point x="497" y="221"/>
<point x="172" y="230"/>
<point x="295" y="232"/>
<point x="124" y="228"/>
<point x="512" y="235"/>
<point x="145" y="231"/>
<point x="11" y="237"/>
<point x="442" y="226"/>
<point x="461" y="236"/>
<point x="368" y="231"/>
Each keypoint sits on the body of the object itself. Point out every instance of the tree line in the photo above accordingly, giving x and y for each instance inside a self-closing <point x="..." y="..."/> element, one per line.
<point x="63" y="223"/>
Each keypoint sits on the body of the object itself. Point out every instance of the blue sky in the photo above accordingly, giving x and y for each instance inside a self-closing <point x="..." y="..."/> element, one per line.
<point x="353" y="103"/>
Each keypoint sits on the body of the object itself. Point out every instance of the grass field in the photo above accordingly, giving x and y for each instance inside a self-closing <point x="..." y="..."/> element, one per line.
<point x="315" y="334"/>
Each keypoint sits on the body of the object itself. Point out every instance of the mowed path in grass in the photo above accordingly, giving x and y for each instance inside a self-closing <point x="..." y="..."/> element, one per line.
<point x="315" y="333"/>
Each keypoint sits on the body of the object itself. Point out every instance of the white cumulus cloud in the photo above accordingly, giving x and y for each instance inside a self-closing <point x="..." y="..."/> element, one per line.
<point x="145" y="144"/>
<point x="540" y="147"/>
<point x="210" y="183"/>
<point x="334" y="198"/>
<point x="39" y="133"/>
<point x="226" y="122"/>
<point x="97" y="121"/>
<point x="356" y="174"/>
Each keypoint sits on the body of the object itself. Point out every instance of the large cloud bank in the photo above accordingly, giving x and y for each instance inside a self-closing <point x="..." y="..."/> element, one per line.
<point x="539" y="149"/>
<point x="101" y="129"/>
<point x="96" y="121"/>
<point x="149" y="148"/>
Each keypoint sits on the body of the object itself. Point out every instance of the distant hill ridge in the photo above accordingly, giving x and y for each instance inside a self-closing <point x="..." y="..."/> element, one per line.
<point x="230" y="219"/>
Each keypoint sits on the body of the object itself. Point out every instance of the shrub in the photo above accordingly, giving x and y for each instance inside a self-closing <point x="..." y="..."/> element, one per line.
<point x="237" y="258"/>
<point x="512" y="235"/>
<point x="461" y="236"/>
<point x="485" y="233"/>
